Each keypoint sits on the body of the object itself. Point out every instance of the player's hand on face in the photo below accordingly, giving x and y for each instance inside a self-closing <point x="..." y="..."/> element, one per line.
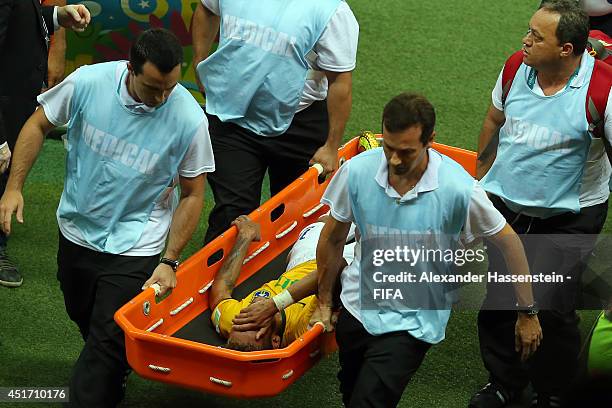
<point x="255" y="316"/>
<point x="528" y="335"/>
<point x="164" y="276"/>
<point x="323" y="314"/>
<point x="247" y="228"/>
<point x="10" y="203"/>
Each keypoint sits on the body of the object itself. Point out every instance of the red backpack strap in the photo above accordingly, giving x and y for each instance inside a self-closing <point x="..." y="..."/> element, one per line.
<point x="597" y="97"/>
<point x="510" y="69"/>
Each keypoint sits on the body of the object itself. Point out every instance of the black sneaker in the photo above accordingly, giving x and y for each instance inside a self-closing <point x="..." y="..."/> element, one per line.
<point x="545" y="401"/>
<point x="492" y="395"/>
<point x="9" y="274"/>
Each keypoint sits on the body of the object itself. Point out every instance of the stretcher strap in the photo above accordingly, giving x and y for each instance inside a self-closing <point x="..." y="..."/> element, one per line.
<point x="219" y="381"/>
<point x="164" y="370"/>
<point x="181" y="307"/>
<point x="205" y="288"/>
<point x="157" y="288"/>
<point x="155" y="325"/>
<point x="288" y="230"/>
<point x="313" y="210"/>
<point x="257" y="252"/>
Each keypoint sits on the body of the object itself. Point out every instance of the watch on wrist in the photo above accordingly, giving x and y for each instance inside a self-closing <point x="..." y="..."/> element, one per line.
<point x="174" y="264"/>
<point x="530" y="310"/>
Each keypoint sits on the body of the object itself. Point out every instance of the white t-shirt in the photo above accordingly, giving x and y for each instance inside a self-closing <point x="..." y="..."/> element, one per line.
<point x="198" y="160"/>
<point x="594" y="185"/>
<point x="305" y="248"/>
<point x="483" y="219"/>
<point x="335" y="51"/>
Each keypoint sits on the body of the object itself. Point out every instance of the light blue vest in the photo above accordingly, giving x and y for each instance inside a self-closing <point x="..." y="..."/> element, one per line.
<point x="257" y="75"/>
<point x="119" y="162"/>
<point x="543" y="147"/>
<point x="436" y="214"/>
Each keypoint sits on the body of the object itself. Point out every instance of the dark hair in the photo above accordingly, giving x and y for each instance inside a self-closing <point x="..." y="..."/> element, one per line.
<point x="407" y="110"/>
<point x="158" y="46"/>
<point x="246" y="347"/>
<point x="267" y="345"/>
<point x="573" y="25"/>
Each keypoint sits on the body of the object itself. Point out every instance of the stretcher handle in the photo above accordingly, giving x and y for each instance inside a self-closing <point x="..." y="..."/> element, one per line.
<point x="319" y="168"/>
<point x="156" y="287"/>
<point x="319" y="324"/>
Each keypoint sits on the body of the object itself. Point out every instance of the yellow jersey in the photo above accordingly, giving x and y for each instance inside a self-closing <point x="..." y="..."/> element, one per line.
<point x="297" y="316"/>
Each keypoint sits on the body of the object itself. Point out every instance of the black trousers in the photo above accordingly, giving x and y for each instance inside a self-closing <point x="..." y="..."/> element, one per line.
<point x="375" y="370"/>
<point x="242" y="158"/>
<point x="554" y="366"/>
<point x="95" y="285"/>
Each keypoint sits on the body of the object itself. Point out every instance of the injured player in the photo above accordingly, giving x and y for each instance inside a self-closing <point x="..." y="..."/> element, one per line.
<point x="278" y="312"/>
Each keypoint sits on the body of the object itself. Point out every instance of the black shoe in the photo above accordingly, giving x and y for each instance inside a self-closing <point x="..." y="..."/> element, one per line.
<point x="492" y="395"/>
<point x="545" y="401"/>
<point x="9" y="274"/>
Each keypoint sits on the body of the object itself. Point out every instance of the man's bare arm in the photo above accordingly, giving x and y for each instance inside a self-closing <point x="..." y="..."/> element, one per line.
<point x="204" y="29"/>
<point x="258" y="315"/>
<point x="528" y="333"/>
<point x="27" y="148"/>
<point x="511" y="247"/>
<point x="57" y="52"/>
<point x="187" y="214"/>
<point x="329" y="258"/>
<point x="489" y="140"/>
<point x="184" y="223"/>
<point x="226" y="278"/>
<point x="339" y="103"/>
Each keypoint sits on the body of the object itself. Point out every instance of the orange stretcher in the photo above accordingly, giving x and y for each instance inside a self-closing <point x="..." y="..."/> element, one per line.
<point x="172" y="340"/>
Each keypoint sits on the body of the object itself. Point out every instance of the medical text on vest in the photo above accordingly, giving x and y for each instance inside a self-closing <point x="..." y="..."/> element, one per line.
<point x="128" y="154"/>
<point x="536" y="136"/>
<point x="266" y="38"/>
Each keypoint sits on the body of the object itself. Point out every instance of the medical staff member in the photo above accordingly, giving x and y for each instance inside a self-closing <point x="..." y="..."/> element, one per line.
<point x="548" y="175"/>
<point x="278" y="93"/>
<point x="134" y="133"/>
<point x="405" y="189"/>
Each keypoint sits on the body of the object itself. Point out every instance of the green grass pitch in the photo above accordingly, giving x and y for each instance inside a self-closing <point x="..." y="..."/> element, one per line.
<point x="451" y="51"/>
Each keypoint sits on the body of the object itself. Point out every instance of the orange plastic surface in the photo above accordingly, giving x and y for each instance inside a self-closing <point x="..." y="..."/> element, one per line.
<point x="155" y="354"/>
<point x="465" y="158"/>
